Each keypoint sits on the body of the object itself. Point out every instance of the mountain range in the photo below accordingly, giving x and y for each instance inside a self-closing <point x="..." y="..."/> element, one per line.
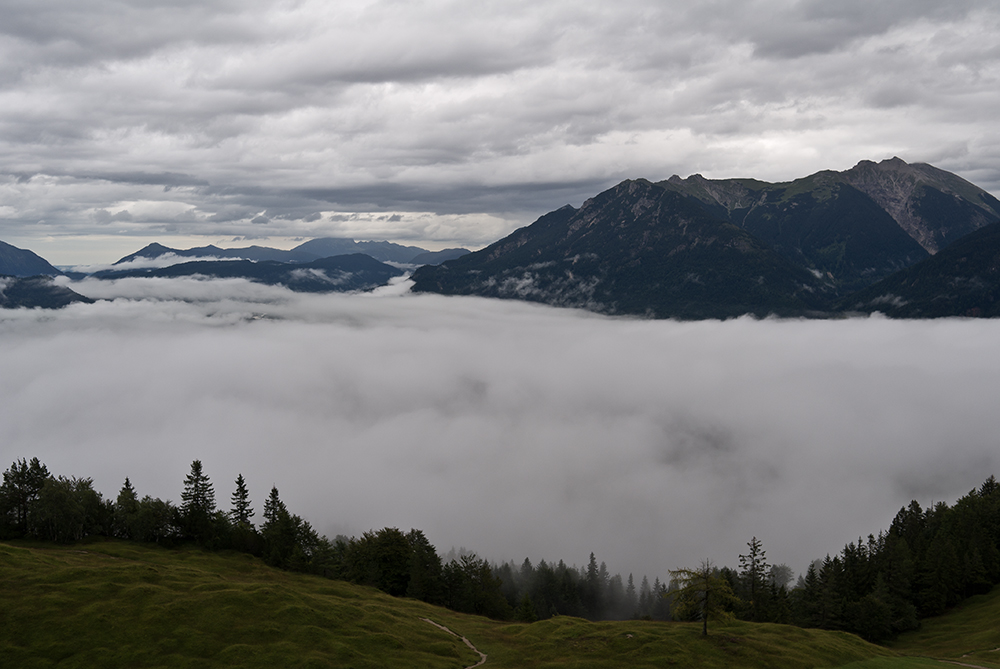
<point x="314" y="249"/>
<point x="908" y="240"/>
<point x="704" y="248"/>
<point x="341" y="273"/>
<point x="329" y="264"/>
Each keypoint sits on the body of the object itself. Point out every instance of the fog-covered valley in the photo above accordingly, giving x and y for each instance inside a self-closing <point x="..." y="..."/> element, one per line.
<point x="511" y="429"/>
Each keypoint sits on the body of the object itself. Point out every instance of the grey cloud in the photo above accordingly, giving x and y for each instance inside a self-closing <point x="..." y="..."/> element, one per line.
<point x="52" y="32"/>
<point x="809" y="27"/>
<point x="506" y="110"/>
<point x="105" y="216"/>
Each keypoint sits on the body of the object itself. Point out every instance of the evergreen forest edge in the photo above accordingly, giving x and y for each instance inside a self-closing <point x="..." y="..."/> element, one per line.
<point x="926" y="562"/>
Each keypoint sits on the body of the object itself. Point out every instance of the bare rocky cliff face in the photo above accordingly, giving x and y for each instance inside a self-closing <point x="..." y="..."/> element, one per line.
<point x="934" y="207"/>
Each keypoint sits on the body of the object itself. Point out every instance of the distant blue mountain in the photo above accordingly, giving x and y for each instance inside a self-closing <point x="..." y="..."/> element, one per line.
<point x="21" y="262"/>
<point x="323" y="247"/>
<point x="38" y="291"/>
<point x="438" y="257"/>
<point x="156" y="250"/>
<point x="334" y="274"/>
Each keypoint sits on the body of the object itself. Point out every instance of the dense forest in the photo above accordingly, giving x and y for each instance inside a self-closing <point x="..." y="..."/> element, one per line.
<point x="927" y="560"/>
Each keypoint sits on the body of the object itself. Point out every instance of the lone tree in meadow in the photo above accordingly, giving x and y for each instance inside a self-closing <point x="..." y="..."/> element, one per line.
<point x="701" y="593"/>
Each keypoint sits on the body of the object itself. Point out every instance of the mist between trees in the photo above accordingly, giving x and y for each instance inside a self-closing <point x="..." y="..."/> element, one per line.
<point x="927" y="561"/>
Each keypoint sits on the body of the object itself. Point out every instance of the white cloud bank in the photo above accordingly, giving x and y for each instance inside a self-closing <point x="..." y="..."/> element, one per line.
<point x="512" y="429"/>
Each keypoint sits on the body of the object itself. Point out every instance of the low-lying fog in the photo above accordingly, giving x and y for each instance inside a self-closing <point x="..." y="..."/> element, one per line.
<point x="512" y="429"/>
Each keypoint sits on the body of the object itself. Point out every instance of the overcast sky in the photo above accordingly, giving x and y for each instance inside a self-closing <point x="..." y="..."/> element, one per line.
<point x="451" y="123"/>
<point x="516" y="430"/>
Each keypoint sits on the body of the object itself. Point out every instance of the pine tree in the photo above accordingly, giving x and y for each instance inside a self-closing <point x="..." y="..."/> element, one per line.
<point x="274" y="509"/>
<point x="278" y="530"/>
<point x="242" y="507"/>
<point x="645" y="599"/>
<point x="198" y="504"/>
<point x="631" y="598"/>
<point x="22" y="484"/>
<point x="425" y="581"/>
<point x="755" y="567"/>
<point x="126" y="507"/>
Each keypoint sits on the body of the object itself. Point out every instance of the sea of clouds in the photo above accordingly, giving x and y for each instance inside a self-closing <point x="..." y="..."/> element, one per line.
<point x="512" y="429"/>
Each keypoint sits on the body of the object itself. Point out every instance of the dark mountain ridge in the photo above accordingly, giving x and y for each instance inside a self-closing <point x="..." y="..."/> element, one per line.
<point x="341" y="273"/>
<point x="933" y="206"/>
<point x="155" y="250"/>
<point x="21" y="262"/>
<point x="856" y="226"/>
<point x="961" y="280"/>
<point x="314" y="249"/>
<point x="638" y="248"/>
<point x="671" y="249"/>
<point x="40" y="291"/>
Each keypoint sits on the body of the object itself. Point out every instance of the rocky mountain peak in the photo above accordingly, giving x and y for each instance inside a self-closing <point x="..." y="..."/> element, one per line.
<point x="934" y="207"/>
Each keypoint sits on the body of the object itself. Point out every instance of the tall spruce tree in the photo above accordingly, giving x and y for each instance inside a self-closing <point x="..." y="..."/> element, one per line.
<point x="242" y="510"/>
<point x="753" y="575"/>
<point x="125" y="509"/>
<point x="197" y="504"/>
<point x="277" y="530"/>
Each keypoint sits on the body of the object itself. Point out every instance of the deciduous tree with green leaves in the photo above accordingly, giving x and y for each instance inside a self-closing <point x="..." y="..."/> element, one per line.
<point x="702" y="593"/>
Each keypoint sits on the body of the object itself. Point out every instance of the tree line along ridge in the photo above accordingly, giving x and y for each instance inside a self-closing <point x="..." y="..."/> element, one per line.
<point x="927" y="560"/>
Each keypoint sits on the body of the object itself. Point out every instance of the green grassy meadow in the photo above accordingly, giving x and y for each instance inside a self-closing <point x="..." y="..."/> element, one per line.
<point x="119" y="604"/>
<point x="970" y="633"/>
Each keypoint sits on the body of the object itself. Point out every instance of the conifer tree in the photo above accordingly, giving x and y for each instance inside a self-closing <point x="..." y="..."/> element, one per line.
<point x="754" y="569"/>
<point x="278" y="530"/>
<point x="274" y="509"/>
<point x="126" y="507"/>
<point x="242" y="507"/>
<point x="631" y="598"/>
<point x="197" y="504"/>
<point x="22" y="484"/>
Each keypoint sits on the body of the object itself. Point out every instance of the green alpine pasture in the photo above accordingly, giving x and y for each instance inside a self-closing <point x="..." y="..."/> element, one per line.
<point x="121" y="604"/>
<point x="970" y="633"/>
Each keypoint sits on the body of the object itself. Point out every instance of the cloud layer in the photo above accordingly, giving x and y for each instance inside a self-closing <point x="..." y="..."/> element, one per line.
<point x="439" y="122"/>
<point x="512" y="429"/>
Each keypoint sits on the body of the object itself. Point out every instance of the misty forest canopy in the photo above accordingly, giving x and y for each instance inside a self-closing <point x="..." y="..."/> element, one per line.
<point x="907" y="240"/>
<point x="927" y="560"/>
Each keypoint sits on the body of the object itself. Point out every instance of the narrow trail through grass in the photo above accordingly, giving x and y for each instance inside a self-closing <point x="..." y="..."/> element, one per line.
<point x="482" y="655"/>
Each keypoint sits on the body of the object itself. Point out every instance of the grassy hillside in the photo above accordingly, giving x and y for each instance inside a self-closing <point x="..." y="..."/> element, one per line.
<point x="117" y="604"/>
<point x="120" y="604"/>
<point x="970" y="633"/>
